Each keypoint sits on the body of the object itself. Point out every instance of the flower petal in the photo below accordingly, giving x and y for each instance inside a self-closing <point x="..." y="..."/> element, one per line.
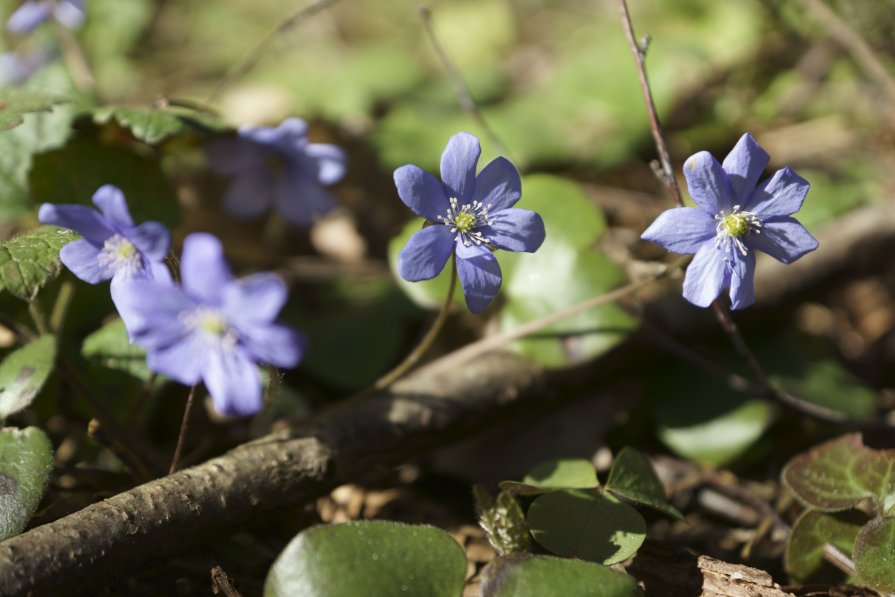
<point x="70" y="13"/>
<point x="29" y="16"/>
<point x="82" y="258"/>
<point x="784" y="239"/>
<point x="742" y="280"/>
<point x="250" y="194"/>
<point x="203" y="270"/>
<point x="232" y="155"/>
<point x="152" y="311"/>
<point x="330" y="160"/>
<point x="780" y="195"/>
<point x="110" y="200"/>
<point x="84" y="220"/>
<point x="152" y="239"/>
<point x="458" y="164"/>
<point x="479" y="274"/>
<point x="708" y="183"/>
<point x="182" y="361"/>
<point x="421" y="192"/>
<point x="233" y="382"/>
<point x="424" y="255"/>
<point x="256" y="298"/>
<point x="272" y="343"/>
<point x="498" y="186"/>
<point x="515" y="229"/>
<point x="681" y="230"/>
<point x="299" y="198"/>
<point x="706" y="275"/>
<point x="744" y="165"/>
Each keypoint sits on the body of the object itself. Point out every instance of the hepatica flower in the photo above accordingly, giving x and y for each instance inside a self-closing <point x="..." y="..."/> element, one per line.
<point x="213" y="328"/>
<point x="33" y="13"/>
<point x="471" y="216"/>
<point x="736" y="216"/>
<point x="113" y="247"/>
<point x="16" y="68"/>
<point x="277" y="166"/>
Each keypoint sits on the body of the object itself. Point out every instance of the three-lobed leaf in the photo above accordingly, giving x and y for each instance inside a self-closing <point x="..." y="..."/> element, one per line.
<point x="26" y="460"/>
<point x="16" y="103"/>
<point x="547" y="576"/>
<point x="153" y="125"/>
<point x="590" y="526"/>
<point x="503" y="521"/>
<point x="110" y="347"/>
<point x="840" y="473"/>
<point x="23" y="373"/>
<point x="874" y="554"/>
<point x="369" y="558"/>
<point x="632" y="476"/>
<point x="804" y="558"/>
<point x="29" y="261"/>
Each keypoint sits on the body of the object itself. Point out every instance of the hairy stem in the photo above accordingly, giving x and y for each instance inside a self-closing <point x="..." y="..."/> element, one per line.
<point x="184" y="425"/>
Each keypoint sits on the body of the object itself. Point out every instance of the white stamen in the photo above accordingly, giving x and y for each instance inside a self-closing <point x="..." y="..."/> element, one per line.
<point x="732" y="227"/>
<point x="120" y="256"/>
<point x="465" y="220"/>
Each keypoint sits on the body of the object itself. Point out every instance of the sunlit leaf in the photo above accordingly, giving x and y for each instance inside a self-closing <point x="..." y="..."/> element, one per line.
<point x="546" y="576"/>
<point x="29" y="261"/>
<point x="23" y="373"/>
<point x="26" y="460"/>
<point x="503" y="521"/>
<point x="875" y="554"/>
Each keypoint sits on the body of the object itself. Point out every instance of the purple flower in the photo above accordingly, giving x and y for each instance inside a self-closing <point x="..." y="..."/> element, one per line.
<point x="34" y="13"/>
<point x="472" y="214"/>
<point x="16" y="68"/>
<point x="277" y="166"/>
<point x="735" y="216"/>
<point x="113" y="247"/>
<point x="213" y="328"/>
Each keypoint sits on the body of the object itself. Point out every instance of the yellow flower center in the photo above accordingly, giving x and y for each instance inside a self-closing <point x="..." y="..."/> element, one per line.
<point x="213" y="324"/>
<point x="464" y="221"/>
<point x="735" y="224"/>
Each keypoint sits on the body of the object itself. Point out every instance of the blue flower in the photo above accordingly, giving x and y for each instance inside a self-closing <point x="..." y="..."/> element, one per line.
<point x="34" y="13"/>
<point x="277" y="166"/>
<point x="212" y="328"/>
<point x="113" y="247"/>
<point x="471" y="214"/>
<point x="16" y="68"/>
<point x="736" y="215"/>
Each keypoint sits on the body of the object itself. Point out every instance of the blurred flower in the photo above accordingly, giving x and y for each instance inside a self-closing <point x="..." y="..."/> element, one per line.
<point x="277" y="166"/>
<point x="16" y="68"/>
<point x="214" y="328"/>
<point x="34" y="13"/>
<point x="734" y="217"/>
<point x="472" y="215"/>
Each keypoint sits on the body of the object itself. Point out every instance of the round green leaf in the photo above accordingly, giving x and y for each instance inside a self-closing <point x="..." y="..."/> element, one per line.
<point x="838" y="474"/>
<point x="563" y="474"/>
<point x="804" y="558"/>
<point x="23" y="373"/>
<point x="110" y="347"/>
<point x="369" y="558"/>
<point x="875" y="554"/>
<point x="632" y="476"/>
<point x="589" y="526"/>
<point x="26" y="460"/>
<point x="546" y="576"/>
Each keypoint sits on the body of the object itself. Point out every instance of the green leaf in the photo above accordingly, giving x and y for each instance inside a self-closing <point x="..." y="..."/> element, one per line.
<point x="875" y="554"/>
<point x="73" y="173"/>
<point x="589" y="526"/>
<point x="502" y="520"/>
<point x="109" y="346"/>
<point x="632" y="476"/>
<point x="153" y="125"/>
<point x="26" y="461"/>
<point x="563" y="272"/>
<point x="563" y="474"/>
<point x="701" y="419"/>
<point x="826" y="383"/>
<point x="804" y="558"/>
<point x="23" y="373"/>
<point x="15" y="103"/>
<point x="369" y="558"/>
<point x="29" y="261"/>
<point x="839" y="474"/>
<point x="546" y="576"/>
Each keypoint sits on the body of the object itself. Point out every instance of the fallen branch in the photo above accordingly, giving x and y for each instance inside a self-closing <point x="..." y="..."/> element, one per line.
<point x="109" y="540"/>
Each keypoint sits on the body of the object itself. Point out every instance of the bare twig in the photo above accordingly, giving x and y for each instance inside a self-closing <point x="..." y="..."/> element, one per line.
<point x="639" y="51"/>
<point x="461" y="88"/>
<point x="184" y="425"/>
<point x="254" y="55"/>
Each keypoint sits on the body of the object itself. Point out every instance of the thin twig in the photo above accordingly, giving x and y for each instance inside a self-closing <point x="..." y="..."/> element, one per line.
<point x="852" y="41"/>
<point x="461" y="88"/>
<point x="833" y="555"/>
<point x="184" y="425"/>
<point x="251" y="58"/>
<point x="489" y="343"/>
<point x="220" y="583"/>
<point x="426" y="343"/>
<point x="639" y="51"/>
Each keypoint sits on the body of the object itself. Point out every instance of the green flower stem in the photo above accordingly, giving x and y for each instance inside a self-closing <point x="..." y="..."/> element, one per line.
<point x="39" y="317"/>
<point x="60" y="308"/>
<point x="427" y="341"/>
<point x="75" y="59"/>
<point x="184" y="425"/>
